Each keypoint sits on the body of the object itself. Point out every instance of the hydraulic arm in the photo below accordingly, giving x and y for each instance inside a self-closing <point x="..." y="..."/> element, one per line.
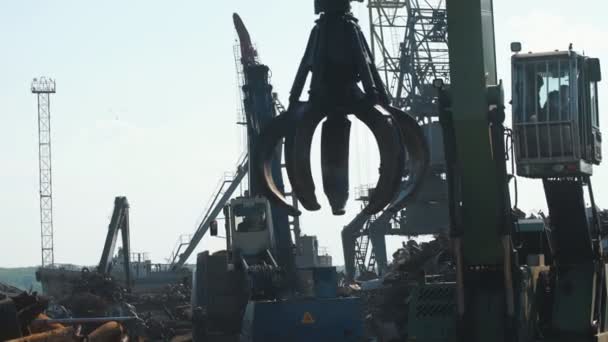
<point x="118" y="223"/>
<point x="259" y="112"/>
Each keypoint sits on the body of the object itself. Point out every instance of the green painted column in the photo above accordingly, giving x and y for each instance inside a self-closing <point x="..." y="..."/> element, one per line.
<point x="473" y="67"/>
<point x="487" y="296"/>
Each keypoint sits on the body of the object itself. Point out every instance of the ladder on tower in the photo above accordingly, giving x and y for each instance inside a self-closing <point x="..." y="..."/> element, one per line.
<point x="371" y="263"/>
<point x="363" y="248"/>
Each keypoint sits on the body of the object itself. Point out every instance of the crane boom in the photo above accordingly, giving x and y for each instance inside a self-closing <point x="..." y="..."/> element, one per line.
<point x="248" y="52"/>
<point x="259" y="105"/>
<point x="220" y="199"/>
<point x="248" y="58"/>
<point x="118" y="222"/>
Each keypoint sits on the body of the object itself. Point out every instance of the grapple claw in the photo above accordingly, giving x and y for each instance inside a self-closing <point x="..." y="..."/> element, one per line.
<point x="392" y="156"/>
<point x="335" y="139"/>
<point x="262" y="156"/>
<point x="417" y="160"/>
<point x="295" y="112"/>
<point x="303" y="183"/>
<point x="343" y="80"/>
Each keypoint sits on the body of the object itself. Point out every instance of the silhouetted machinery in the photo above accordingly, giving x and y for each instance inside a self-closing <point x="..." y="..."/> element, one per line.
<point x="253" y="290"/>
<point x="515" y="280"/>
<point x="119" y="223"/>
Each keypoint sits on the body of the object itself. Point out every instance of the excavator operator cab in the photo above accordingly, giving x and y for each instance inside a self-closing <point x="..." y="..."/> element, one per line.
<point x="251" y="225"/>
<point x="555" y="114"/>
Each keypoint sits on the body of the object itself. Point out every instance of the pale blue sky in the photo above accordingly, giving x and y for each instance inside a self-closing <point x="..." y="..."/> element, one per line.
<point x="145" y="107"/>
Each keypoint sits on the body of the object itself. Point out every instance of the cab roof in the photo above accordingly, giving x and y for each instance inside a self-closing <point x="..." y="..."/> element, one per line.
<point x="551" y="54"/>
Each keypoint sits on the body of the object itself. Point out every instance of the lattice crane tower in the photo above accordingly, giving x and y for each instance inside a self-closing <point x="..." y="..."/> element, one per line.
<point x="43" y="88"/>
<point x="409" y="40"/>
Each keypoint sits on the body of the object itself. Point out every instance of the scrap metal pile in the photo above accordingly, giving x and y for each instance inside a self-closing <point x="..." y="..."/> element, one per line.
<point x="98" y="309"/>
<point x="387" y="298"/>
<point x="167" y="315"/>
<point x="23" y="318"/>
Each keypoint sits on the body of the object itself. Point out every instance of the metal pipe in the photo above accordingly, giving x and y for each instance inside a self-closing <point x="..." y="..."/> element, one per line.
<point x="228" y="227"/>
<point x="561" y="110"/>
<point x="245" y="265"/>
<point x="548" y="114"/>
<point x="274" y="262"/>
<point x="508" y="276"/>
<point x="61" y="334"/>
<point x="459" y="276"/>
<point x="110" y="331"/>
<point x="537" y="111"/>
<point x="83" y="320"/>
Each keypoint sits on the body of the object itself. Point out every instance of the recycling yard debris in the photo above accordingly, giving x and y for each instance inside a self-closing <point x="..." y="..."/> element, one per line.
<point x="99" y="314"/>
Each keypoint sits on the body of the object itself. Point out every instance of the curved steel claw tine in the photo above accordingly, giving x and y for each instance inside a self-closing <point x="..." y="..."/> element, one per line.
<point x="262" y="156"/>
<point x="335" y="140"/>
<point x="392" y="156"/>
<point x="301" y="180"/>
<point x="296" y="111"/>
<point x="417" y="160"/>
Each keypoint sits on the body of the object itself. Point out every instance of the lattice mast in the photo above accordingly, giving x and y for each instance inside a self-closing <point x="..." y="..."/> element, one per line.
<point x="409" y="41"/>
<point x="43" y="88"/>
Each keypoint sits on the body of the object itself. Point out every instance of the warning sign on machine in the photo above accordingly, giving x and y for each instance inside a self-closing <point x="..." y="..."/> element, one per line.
<point x="307" y="318"/>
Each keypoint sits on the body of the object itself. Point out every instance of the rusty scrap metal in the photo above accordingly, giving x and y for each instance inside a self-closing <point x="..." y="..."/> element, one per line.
<point x="18" y="311"/>
<point x="36" y="327"/>
<point x="110" y="331"/>
<point x="65" y="334"/>
<point x="386" y="299"/>
<point x="9" y="324"/>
